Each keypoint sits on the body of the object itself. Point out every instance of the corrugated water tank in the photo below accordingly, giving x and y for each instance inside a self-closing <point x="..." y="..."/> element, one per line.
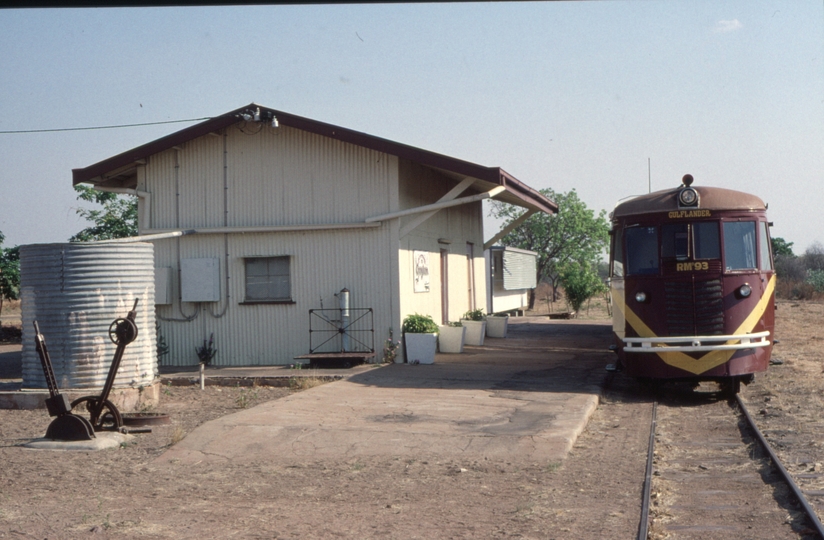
<point x="75" y="291"/>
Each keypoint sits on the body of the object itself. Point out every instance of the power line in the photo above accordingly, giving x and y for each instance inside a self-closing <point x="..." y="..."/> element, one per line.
<point x="103" y="127"/>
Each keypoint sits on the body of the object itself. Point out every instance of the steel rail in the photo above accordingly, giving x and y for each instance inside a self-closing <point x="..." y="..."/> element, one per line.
<point x="643" y="525"/>
<point x="799" y="495"/>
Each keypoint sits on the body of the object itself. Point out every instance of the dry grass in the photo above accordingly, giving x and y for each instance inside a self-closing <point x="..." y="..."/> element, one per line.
<point x="297" y="384"/>
<point x="177" y="435"/>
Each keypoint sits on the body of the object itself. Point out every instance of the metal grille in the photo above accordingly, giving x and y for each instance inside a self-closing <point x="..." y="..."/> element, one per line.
<point x="694" y="308"/>
<point x="341" y="330"/>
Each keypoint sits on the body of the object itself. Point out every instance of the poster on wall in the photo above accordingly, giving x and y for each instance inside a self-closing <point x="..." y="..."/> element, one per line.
<point x="421" y="271"/>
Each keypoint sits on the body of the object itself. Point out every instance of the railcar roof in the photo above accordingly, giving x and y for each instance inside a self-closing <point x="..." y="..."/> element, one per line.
<point x="710" y="198"/>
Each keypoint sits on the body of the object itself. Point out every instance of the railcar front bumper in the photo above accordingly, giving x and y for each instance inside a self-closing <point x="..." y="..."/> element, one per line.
<point x="696" y="343"/>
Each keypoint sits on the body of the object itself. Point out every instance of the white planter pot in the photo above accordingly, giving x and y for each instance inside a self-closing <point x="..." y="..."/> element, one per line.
<point x="496" y="326"/>
<point x="451" y="339"/>
<point x="475" y="332"/>
<point x="420" y="348"/>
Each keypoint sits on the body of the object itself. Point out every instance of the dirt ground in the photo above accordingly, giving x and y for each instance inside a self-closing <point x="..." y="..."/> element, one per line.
<point x="788" y="400"/>
<point x="594" y="493"/>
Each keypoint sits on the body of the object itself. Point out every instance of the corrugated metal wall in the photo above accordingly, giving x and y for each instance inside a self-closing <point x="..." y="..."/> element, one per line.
<point x="272" y="177"/>
<point x="322" y="263"/>
<point x="286" y="176"/>
<point x="75" y="292"/>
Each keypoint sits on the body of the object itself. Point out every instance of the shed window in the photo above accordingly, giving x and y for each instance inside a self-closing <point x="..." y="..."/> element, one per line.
<point x="268" y="279"/>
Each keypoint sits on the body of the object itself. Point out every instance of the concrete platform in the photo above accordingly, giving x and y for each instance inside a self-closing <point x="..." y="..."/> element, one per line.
<point x="102" y="441"/>
<point x="529" y="394"/>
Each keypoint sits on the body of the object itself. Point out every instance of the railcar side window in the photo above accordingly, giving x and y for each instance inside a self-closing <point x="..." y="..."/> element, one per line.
<point x="618" y="253"/>
<point x="764" y="246"/>
<point x="707" y="242"/>
<point x="642" y="250"/>
<point x="739" y="245"/>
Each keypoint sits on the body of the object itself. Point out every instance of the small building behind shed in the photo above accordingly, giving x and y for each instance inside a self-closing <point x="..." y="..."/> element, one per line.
<point x="511" y="274"/>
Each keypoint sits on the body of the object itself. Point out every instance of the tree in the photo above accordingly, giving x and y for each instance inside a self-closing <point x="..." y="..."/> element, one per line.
<point x="574" y="234"/>
<point x="117" y="219"/>
<point x="9" y="272"/>
<point x="781" y="247"/>
<point x="814" y="257"/>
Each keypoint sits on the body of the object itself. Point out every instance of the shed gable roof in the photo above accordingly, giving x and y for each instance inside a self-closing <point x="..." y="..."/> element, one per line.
<point x="119" y="170"/>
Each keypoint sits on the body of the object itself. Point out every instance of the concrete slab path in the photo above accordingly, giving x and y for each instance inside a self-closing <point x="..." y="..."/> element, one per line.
<point x="529" y="395"/>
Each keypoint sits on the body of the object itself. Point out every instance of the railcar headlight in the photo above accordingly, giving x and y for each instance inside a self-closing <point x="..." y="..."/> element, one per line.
<point x="688" y="197"/>
<point x="641" y="297"/>
<point x="744" y="291"/>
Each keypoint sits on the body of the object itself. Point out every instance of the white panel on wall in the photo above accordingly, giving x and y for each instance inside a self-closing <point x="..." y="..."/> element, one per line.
<point x="200" y="280"/>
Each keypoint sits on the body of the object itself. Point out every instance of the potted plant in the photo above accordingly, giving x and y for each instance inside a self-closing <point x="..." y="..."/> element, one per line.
<point x="496" y="325"/>
<point x="451" y="337"/>
<point x="475" y="322"/>
<point x="420" y="335"/>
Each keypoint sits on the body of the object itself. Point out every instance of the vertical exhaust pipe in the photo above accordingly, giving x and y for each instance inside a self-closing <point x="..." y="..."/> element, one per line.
<point x="343" y="300"/>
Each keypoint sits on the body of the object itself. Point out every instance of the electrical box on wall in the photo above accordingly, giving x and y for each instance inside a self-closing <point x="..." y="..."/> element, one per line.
<point x="163" y="286"/>
<point x="200" y="280"/>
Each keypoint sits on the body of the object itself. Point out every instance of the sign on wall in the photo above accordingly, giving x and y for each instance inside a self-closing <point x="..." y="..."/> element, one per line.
<point x="421" y="259"/>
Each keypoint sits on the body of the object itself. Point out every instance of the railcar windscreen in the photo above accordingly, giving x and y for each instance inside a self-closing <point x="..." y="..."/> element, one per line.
<point x="739" y="245"/>
<point x="675" y="241"/>
<point x="707" y="241"/>
<point x="618" y="253"/>
<point x="642" y="250"/>
<point x="764" y="246"/>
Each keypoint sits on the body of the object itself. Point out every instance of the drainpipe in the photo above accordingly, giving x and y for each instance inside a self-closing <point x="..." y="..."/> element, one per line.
<point x="143" y="237"/>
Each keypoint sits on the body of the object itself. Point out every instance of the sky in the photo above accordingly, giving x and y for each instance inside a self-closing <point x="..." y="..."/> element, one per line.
<point x="604" y="97"/>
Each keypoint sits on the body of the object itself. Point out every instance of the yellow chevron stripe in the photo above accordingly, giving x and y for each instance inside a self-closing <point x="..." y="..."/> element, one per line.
<point x="711" y="359"/>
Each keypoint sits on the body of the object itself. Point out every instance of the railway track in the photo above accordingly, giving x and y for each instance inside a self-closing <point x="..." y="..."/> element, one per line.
<point x="714" y="475"/>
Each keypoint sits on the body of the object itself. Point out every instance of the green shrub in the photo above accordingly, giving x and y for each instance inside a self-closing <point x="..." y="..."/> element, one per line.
<point x="419" y="324"/>
<point x="816" y="279"/>
<point x="475" y="315"/>
<point x="580" y="282"/>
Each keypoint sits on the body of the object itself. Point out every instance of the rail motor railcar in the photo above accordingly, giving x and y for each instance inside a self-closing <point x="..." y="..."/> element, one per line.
<point x="692" y="284"/>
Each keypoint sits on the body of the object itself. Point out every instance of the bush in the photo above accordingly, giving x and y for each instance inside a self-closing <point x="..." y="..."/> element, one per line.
<point x="790" y="268"/>
<point x="816" y="279"/>
<point x="474" y="315"/>
<point x="580" y="283"/>
<point x="419" y="324"/>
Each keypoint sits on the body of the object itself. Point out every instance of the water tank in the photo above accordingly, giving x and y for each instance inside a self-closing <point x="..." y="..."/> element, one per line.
<point x="75" y="292"/>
